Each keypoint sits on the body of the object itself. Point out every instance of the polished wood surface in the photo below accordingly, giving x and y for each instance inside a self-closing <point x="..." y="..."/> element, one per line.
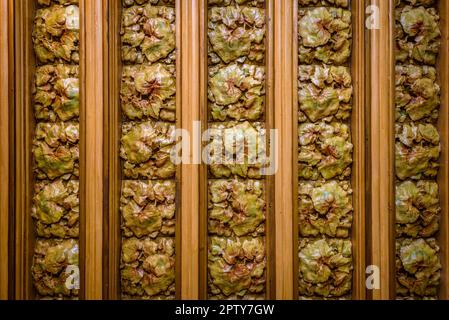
<point x="443" y="126"/>
<point x="23" y="130"/>
<point x="190" y="182"/>
<point x="91" y="161"/>
<point x="381" y="169"/>
<point x="285" y="181"/>
<point x="5" y="123"/>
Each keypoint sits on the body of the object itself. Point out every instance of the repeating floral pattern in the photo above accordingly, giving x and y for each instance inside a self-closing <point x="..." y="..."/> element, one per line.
<point x="325" y="157"/>
<point x="55" y="205"/>
<point x="418" y="148"/>
<point x="236" y="192"/>
<point x="148" y="96"/>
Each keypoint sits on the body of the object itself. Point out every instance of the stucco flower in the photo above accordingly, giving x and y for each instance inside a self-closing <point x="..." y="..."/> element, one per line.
<point x="148" y="208"/>
<point x="56" y="209"/>
<point x="325" y="151"/>
<point x="148" y="92"/>
<point x="237" y="266"/>
<point x="418" y="267"/>
<point x="50" y="270"/>
<point x="325" y="267"/>
<point x="56" y="150"/>
<point x="325" y="208"/>
<point x="146" y="148"/>
<point x="325" y="92"/>
<point x="236" y="207"/>
<point x="148" y="268"/>
<point x="325" y="35"/>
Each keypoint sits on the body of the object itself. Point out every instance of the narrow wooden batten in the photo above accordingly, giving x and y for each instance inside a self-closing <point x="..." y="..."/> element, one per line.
<point x="443" y="127"/>
<point x="285" y="181"/>
<point x="91" y="164"/>
<point x="381" y="167"/>
<point x="190" y="182"/>
<point x="5" y="124"/>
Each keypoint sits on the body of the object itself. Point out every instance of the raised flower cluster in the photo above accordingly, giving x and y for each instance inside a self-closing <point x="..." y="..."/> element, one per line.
<point x="236" y="112"/>
<point x="148" y="102"/>
<point x="418" y="40"/>
<point x="325" y="156"/>
<point x="55" y="205"/>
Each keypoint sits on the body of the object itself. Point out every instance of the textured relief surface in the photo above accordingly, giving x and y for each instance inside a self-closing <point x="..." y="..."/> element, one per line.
<point x="50" y="267"/>
<point x="237" y="92"/>
<point x="236" y="151"/>
<point x="417" y="93"/>
<point x="237" y="267"/>
<point x="244" y="143"/>
<point x="325" y="208"/>
<point x="148" y="92"/>
<point x="148" y="208"/>
<point x="417" y="267"/>
<point x="145" y="149"/>
<point x="148" y="96"/>
<point x="418" y="149"/>
<point x="325" y="267"/>
<point x="334" y="3"/>
<point x="325" y="149"/>
<point x="325" y="35"/>
<point x="148" y="268"/>
<point x="418" y="37"/>
<point x="56" y="95"/>
<point x="417" y="209"/>
<point x="148" y="34"/>
<point x="55" y="150"/>
<point x="236" y="207"/>
<point x="56" y="209"/>
<point x="237" y="47"/>
<point x="325" y="93"/>
<point x="56" y="33"/>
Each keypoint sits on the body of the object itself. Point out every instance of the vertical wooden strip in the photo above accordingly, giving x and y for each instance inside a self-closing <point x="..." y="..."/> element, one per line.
<point x="203" y="229"/>
<point x="382" y="151"/>
<point x="92" y="153"/>
<point x="23" y="70"/>
<point x="179" y="211"/>
<point x="358" y="126"/>
<point x="4" y="147"/>
<point x="295" y="155"/>
<point x="112" y="176"/>
<point x="443" y="126"/>
<point x="270" y="233"/>
<point x="190" y="188"/>
<point x="284" y="80"/>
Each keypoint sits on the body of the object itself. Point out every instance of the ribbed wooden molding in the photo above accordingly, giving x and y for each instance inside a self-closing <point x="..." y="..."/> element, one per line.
<point x="91" y="168"/>
<point x="381" y="169"/>
<point x="358" y="127"/>
<point x="190" y="182"/>
<point x="23" y="121"/>
<point x="284" y="118"/>
<point x="443" y="126"/>
<point x="5" y="111"/>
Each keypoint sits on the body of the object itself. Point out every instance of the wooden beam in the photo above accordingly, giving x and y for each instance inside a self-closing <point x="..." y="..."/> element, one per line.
<point x="443" y="126"/>
<point x="284" y="117"/>
<point x="5" y="111"/>
<point x="190" y="182"/>
<point x="382" y="150"/>
<point x="23" y="131"/>
<point x="358" y="127"/>
<point x="91" y="166"/>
